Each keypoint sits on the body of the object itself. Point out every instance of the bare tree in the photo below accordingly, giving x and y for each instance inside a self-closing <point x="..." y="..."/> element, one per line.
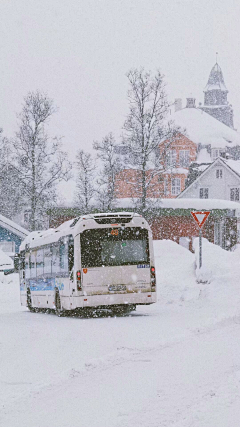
<point x="145" y="127"/>
<point x="12" y="192"/>
<point x="110" y="162"/>
<point x="41" y="163"/>
<point x="85" y="180"/>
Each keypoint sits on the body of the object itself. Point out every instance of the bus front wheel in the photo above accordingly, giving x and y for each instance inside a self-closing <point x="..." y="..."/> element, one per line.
<point x="58" y="306"/>
<point x="29" y="301"/>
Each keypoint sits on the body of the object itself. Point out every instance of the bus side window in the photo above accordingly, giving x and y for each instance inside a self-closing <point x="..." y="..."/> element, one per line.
<point x="39" y="262"/>
<point x="64" y="257"/>
<point x="55" y="259"/>
<point x="48" y="260"/>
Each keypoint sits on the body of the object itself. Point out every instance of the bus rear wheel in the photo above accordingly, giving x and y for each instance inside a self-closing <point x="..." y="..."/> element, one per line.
<point x="29" y="301"/>
<point x="58" y="306"/>
<point x="123" y="309"/>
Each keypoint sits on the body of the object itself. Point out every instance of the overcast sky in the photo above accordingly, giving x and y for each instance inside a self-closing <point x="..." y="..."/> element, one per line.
<point x="78" y="52"/>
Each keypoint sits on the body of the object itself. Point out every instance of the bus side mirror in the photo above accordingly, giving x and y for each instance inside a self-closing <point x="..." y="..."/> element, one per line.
<point x="71" y="275"/>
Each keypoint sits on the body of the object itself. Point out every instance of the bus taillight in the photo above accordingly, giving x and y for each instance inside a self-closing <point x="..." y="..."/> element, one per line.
<point x="153" y="279"/>
<point x="79" y="284"/>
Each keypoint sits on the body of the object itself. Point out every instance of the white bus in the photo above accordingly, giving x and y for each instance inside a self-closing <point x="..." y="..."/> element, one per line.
<point x="96" y="261"/>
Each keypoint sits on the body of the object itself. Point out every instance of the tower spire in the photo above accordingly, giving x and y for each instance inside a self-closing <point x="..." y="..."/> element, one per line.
<point x="215" y="97"/>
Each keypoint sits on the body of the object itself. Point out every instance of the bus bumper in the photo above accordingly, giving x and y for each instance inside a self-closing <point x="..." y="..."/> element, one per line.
<point x="145" y="298"/>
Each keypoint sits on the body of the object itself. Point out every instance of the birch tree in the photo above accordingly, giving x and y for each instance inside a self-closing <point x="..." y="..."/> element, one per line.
<point x="110" y="166"/>
<point x="145" y="127"/>
<point x="40" y="161"/>
<point x="85" y="180"/>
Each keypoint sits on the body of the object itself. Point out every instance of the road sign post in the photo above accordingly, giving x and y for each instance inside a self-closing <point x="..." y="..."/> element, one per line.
<point x="200" y="248"/>
<point x="200" y="218"/>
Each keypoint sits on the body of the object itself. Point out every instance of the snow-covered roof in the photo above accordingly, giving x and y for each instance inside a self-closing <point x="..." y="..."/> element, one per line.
<point x="204" y="160"/>
<point x="234" y="165"/>
<point x="201" y="168"/>
<point x="203" y="156"/>
<point x="183" y="171"/>
<point x="200" y="204"/>
<point x="205" y="129"/>
<point x="13" y="227"/>
<point x="216" y="80"/>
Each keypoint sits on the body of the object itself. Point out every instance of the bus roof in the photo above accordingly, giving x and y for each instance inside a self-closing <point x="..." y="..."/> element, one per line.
<point x="44" y="237"/>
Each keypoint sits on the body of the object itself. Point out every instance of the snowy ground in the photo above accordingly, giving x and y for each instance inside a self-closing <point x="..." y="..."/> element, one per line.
<point x="175" y="363"/>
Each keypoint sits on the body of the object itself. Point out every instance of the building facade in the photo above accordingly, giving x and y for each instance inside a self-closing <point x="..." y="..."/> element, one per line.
<point x="169" y="180"/>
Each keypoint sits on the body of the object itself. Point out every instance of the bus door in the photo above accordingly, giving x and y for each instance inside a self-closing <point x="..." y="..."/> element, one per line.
<point x="66" y="253"/>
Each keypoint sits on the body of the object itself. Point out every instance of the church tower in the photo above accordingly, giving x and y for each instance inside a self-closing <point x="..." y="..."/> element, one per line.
<point x="215" y="98"/>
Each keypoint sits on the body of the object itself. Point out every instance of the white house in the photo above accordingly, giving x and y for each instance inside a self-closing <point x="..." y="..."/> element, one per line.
<point x="219" y="180"/>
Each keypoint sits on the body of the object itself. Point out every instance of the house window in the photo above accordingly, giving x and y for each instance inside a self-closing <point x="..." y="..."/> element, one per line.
<point x="216" y="152"/>
<point x="203" y="193"/>
<point x="171" y="158"/>
<point x="176" y="186"/>
<point x="184" y="157"/>
<point x="165" y="186"/>
<point x="234" y="194"/>
<point x="219" y="173"/>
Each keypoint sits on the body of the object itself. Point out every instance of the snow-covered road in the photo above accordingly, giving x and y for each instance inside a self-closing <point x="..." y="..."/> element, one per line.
<point x="176" y="363"/>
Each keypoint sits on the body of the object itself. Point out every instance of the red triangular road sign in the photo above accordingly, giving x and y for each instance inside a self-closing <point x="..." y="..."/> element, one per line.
<point x="200" y="217"/>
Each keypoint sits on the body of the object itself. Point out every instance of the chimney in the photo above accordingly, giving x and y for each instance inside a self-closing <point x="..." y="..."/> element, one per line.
<point x="178" y="104"/>
<point x="191" y="103"/>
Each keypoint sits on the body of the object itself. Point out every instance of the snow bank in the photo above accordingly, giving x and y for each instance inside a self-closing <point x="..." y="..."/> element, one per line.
<point x="217" y="263"/>
<point x="175" y="267"/>
<point x="220" y="273"/>
<point x="215" y="288"/>
<point x="10" y="295"/>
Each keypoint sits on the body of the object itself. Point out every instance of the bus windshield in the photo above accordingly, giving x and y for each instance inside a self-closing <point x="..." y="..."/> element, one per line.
<point x="114" y="247"/>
